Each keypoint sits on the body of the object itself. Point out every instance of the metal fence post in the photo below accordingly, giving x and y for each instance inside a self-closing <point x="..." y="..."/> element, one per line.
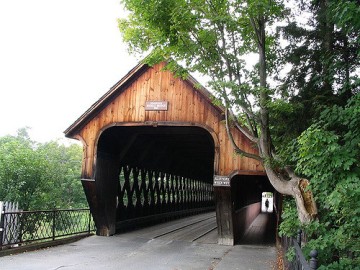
<point x="313" y="260"/>
<point x="53" y="227"/>
<point x="89" y="222"/>
<point x="298" y="238"/>
<point x="2" y="222"/>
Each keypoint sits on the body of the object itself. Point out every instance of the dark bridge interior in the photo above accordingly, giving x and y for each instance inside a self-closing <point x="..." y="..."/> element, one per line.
<point x="158" y="172"/>
<point x="247" y="189"/>
<point x="250" y="224"/>
<point x="185" y="151"/>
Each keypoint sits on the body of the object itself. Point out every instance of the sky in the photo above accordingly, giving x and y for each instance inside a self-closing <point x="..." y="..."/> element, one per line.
<point x="57" y="58"/>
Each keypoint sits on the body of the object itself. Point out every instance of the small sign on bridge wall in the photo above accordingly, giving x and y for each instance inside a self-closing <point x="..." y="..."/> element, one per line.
<point x="221" y="181"/>
<point x="156" y="105"/>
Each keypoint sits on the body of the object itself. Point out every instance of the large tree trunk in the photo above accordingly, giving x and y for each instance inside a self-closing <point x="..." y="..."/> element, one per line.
<point x="326" y="31"/>
<point x="295" y="187"/>
<point x="285" y="182"/>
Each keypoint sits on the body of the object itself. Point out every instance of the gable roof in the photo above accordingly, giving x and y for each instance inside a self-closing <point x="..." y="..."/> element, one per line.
<point x="119" y="87"/>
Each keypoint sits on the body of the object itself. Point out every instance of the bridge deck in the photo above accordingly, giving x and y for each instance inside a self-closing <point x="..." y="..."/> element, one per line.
<point x="261" y="231"/>
<point x="200" y="228"/>
<point x="203" y="229"/>
<point x="187" y="244"/>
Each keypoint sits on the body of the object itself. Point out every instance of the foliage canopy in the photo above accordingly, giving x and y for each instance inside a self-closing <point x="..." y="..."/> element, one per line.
<point x="328" y="152"/>
<point x="40" y="176"/>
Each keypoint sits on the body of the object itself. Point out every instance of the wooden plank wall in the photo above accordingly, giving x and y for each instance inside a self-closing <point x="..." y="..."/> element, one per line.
<point x="187" y="106"/>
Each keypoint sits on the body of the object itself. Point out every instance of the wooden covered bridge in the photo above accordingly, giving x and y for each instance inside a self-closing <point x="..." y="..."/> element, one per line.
<point x="156" y="148"/>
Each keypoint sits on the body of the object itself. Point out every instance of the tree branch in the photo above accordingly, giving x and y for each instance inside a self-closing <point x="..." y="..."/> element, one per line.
<point x="236" y="148"/>
<point x="251" y="137"/>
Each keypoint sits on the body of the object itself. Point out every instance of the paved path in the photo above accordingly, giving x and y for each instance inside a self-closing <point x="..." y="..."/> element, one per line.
<point x="141" y="250"/>
<point x="261" y="231"/>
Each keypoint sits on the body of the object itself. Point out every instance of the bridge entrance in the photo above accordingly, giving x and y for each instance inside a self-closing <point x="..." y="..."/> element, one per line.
<point x="151" y="173"/>
<point x="247" y="198"/>
<point x="154" y="144"/>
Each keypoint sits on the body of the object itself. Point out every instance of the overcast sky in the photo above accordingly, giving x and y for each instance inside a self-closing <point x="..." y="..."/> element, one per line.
<point x="57" y="57"/>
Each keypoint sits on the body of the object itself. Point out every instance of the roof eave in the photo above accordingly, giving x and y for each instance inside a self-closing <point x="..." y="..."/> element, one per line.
<point x="74" y="128"/>
<point x="96" y="107"/>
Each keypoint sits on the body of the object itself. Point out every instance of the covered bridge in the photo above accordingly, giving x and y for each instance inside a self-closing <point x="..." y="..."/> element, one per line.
<point x="156" y="147"/>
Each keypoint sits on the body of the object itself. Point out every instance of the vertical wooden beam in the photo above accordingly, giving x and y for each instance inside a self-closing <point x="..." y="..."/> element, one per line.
<point x="90" y="193"/>
<point x="224" y="215"/>
<point x="106" y="178"/>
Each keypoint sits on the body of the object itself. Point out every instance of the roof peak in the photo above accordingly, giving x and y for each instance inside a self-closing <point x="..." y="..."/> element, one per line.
<point x="121" y="86"/>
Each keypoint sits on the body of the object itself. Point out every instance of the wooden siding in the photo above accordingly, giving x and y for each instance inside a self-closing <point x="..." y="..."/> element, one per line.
<point x="187" y="107"/>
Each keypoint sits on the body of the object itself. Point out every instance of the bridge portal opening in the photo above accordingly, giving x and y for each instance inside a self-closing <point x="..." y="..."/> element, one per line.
<point x="251" y="226"/>
<point x="267" y="202"/>
<point x="146" y="173"/>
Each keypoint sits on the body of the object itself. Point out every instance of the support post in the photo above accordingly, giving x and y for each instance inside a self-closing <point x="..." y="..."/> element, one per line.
<point x="90" y="192"/>
<point x="106" y="181"/>
<point x="313" y="263"/>
<point x="2" y="214"/>
<point x="224" y="216"/>
<point x="298" y="237"/>
<point x="89" y="224"/>
<point x="53" y="224"/>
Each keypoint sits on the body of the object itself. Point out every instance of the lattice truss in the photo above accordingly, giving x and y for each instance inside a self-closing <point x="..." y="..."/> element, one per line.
<point x="143" y="192"/>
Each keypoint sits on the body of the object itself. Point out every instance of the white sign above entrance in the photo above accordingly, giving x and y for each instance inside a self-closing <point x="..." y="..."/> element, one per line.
<point x="221" y="181"/>
<point x="156" y="105"/>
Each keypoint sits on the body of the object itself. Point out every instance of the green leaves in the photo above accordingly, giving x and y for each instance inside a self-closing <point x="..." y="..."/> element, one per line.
<point x="345" y="14"/>
<point x="290" y="223"/>
<point x="329" y="155"/>
<point x="40" y="176"/>
<point x="210" y="37"/>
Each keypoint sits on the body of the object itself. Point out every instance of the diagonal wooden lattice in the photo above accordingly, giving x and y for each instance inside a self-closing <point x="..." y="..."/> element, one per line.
<point x="143" y="192"/>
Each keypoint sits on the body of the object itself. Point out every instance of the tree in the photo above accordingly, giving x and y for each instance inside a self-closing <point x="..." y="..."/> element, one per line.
<point x="213" y="37"/>
<point x="18" y="164"/>
<point x="323" y="53"/>
<point x="63" y="169"/>
<point x="329" y="152"/>
<point x="40" y="176"/>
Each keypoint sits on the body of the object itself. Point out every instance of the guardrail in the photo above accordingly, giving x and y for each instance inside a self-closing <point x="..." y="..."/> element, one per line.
<point x="298" y="261"/>
<point x="19" y="228"/>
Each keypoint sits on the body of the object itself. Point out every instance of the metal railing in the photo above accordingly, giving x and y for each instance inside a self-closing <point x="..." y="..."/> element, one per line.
<point x="298" y="261"/>
<point x="24" y="227"/>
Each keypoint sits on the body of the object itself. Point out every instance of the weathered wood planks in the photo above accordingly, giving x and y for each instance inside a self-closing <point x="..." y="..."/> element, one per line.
<point x="187" y="106"/>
